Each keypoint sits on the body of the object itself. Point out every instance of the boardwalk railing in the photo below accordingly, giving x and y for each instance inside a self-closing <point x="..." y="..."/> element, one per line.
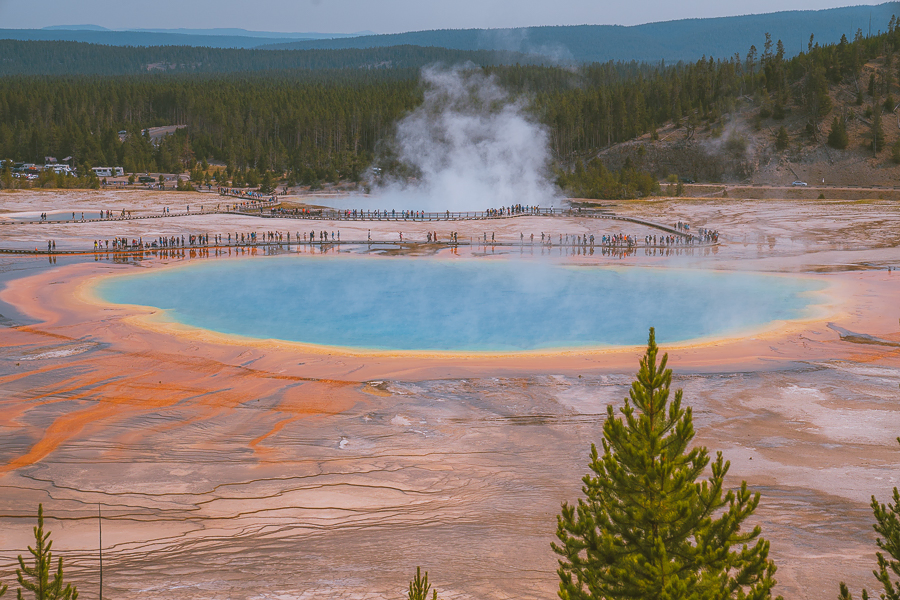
<point x="152" y="247"/>
<point x="267" y="209"/>
<point x="336" y="214"/>
<point x="422" y="216"/>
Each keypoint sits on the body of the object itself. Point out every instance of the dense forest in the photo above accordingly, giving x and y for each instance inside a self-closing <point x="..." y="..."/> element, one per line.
<point x="330" y="124"/>
<point x="316" y="129"/>
<point x="75" y="58"/>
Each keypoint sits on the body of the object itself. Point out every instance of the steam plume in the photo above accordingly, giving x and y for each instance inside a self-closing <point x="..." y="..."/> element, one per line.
<point x="473" y="145"/>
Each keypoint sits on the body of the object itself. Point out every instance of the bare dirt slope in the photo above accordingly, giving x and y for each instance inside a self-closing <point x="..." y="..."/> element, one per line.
<point x="739" y="148"/>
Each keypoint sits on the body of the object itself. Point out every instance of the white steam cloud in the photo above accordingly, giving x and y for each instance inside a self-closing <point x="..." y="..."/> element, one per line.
<point x="474" y="146"/>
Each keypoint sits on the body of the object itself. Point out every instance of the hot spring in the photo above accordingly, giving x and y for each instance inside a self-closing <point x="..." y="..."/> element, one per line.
<point x="459" y="304"/>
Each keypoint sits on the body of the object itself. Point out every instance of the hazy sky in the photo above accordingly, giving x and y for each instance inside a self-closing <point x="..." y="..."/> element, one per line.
<point x="380" y="16"/>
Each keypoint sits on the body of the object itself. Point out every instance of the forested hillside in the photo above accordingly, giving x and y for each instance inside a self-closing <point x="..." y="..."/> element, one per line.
<point x="328" y="125"/>
<point x="279" y="122"/>
<point x="74" y="58"/>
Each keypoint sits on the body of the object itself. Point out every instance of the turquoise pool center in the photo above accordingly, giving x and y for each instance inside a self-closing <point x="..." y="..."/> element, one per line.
<point x="460" y="304"/>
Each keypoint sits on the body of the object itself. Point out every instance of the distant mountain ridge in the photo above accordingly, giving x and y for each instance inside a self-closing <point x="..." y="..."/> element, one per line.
<point x="137" y="38"/>
<point x="86" y="27"/>
<point x="688" y="39"/>
<point x="229" y="31"/>
<point x="204" y="38"/>
<point x="670" y="41"/>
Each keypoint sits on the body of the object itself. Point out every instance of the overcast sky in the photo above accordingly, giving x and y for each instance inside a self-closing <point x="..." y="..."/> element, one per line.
<point x="380" y="16"/>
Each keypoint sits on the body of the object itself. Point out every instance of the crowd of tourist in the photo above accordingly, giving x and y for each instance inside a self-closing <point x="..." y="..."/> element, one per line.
<point x="517" y="209"/>
<point x="384" y="214"/>
<point x="708" y="236"/>
<point x="76" y="216"/>
<point x="239" y="193"/>
<point x="679" y="235"/>
<point x="616" y="240"/>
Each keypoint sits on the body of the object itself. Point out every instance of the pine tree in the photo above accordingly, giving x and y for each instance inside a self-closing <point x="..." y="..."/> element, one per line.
<point x="837" y="137"/>
<point x="647" y="529"/>
<point x="877" y="132"/>
<point x="6" y="178"/>
<point x="267" y="185"/>
<point x="36" y="579"/>
<point x="418" y="587"/>
<point x="781" y="138"/>
<point x="887" y="524"/>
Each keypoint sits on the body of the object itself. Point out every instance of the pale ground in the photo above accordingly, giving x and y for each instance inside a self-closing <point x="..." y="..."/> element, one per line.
<point x="227" y="474"/>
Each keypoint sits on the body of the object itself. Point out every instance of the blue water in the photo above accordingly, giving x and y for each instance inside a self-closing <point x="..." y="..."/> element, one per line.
<point x="55" y="215"/>
<point x="459" y="304"/>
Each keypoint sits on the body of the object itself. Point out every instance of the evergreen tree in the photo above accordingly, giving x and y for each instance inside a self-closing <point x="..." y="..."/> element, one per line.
<point x="781" y="138"/>
<point x="267" y="186"/>
<point x="818" y="102"/>
<point x="877" y="132"/>
<point x="778" y="112"/>
<point x="6" y="178"/>
<point x="36" y="579"/>
<point x="895" y="152"/>
<point x="647" y="529"/>
<point x="838" y="137"/>
<point x="887" y="524"/>
<point x="418" y="587"/>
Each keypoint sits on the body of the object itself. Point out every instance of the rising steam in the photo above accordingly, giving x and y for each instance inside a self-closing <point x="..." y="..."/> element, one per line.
<point x="472" y="146"/>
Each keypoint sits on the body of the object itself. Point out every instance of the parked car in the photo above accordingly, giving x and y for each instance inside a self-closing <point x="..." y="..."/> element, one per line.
<point x="145" y="179"/>
<point x="687" y="180"/>
<point x="799" y="184"/>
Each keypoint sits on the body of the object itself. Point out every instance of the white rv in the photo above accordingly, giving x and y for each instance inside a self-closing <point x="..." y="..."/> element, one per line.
<point x="59" y="169"/>
<point x="109" y="171"/>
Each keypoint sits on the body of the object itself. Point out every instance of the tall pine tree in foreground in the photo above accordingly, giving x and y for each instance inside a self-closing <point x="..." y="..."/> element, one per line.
<point x="647" y="528"/>
<point x="36" y="579"/>
<point x="887" y="524"/>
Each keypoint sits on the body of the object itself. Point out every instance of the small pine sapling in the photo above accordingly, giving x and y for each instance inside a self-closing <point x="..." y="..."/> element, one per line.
<point x="36" y="579"/>
<point x="418" y="587"/>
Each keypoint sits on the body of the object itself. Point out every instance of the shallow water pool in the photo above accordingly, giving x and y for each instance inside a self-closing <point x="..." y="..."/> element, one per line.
<point x="54" y="215"/>
<point x="460" y="304"/>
